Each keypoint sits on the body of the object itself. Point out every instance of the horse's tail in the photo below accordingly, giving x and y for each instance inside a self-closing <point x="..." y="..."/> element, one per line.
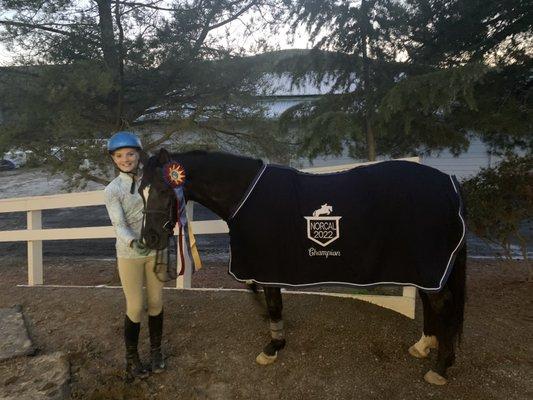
<point x="457" y="279"/>
<point x="457" y="285"/>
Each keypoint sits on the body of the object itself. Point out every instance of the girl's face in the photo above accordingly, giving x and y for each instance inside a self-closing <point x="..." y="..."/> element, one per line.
<point x="126" y="159"/>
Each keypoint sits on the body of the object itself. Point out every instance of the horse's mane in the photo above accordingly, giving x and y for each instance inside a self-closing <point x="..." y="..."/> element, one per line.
<point x="149" y="167"/>
<point x="244" y="168"/>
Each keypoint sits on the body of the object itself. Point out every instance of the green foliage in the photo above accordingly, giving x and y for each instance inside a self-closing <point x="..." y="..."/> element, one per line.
<point x="326" y="126"/>
<point x="499" y="200"/>
<point x="504" y="113"/>
<point x="440" y="89"/>
<point x="454" y="32"/>
<point x="347" y="23"/>
<point x="422" y="112"/>
<point x="458" y="34"/>
<point x="361" y="43"/>
<point x="54" y="101"/>
<point x="82" y="72"/>
<point x="465" y="68"/>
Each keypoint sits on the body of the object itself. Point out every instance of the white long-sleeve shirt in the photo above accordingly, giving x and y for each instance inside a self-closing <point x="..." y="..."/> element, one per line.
<point x="125" y="211"/>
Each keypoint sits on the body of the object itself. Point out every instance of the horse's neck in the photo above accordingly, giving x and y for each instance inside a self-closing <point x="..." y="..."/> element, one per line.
<point x="219" y="181"/>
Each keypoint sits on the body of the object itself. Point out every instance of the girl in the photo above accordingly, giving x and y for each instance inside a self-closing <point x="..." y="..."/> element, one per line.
<point x="135" y="261"/>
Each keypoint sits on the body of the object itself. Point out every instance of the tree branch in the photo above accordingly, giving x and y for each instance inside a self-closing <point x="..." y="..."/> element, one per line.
<point x="233" y="17"/>
<point x="121" y="55"/>
<point x="224" y="131"/>
<point x="45" y="27"/>
<point x="147" y="5"/>
<point x="161" y="140"/>
<point x="205" y="31"/>
<point x="94" y="178"/>
<point x="207" y="27"/>
<point x="35" y="26"/>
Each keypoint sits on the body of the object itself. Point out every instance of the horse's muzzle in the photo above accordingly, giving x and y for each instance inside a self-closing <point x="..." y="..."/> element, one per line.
<point x="154" y="240"/>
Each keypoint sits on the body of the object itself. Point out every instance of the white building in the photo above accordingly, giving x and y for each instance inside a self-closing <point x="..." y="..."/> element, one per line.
<point x="279" y="95"/>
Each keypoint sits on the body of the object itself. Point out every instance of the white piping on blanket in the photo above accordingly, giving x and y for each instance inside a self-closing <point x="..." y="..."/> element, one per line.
<point x="249" y="192"/>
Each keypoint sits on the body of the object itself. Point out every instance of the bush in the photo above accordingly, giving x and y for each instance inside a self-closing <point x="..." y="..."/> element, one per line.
<point x="499" y="201"/>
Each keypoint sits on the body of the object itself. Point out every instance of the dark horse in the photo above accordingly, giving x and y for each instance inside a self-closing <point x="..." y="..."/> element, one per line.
<point x="219" y="181"/>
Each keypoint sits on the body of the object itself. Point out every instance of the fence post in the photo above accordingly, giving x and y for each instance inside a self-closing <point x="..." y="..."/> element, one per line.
<point x="184" y="281"/>
<point x="35" y="250"/>
<point x="409" y="292"/>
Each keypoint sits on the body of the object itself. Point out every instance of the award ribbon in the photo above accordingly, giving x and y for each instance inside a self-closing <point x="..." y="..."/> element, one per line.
<point x="174" y="175"/>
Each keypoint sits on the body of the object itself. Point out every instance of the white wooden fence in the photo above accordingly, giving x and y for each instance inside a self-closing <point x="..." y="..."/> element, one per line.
<point x="34" y="236"/>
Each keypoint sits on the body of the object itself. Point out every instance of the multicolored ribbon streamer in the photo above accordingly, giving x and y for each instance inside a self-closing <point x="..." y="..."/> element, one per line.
<point x="174" y="176"/>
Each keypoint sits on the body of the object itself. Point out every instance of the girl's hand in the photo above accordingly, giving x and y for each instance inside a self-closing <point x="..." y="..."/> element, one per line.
<point x="140" y="247"/>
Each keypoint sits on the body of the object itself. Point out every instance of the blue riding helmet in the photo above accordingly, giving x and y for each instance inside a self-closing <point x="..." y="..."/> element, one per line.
<point x="123" y="139"/>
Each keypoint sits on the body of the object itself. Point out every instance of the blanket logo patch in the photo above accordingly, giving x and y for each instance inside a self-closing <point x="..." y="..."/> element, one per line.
<point x="322" y="227"/>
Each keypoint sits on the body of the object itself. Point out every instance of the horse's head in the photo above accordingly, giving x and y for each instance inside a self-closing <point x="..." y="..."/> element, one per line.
<point x="160" y="211"/>
<point x="216" y="180"/>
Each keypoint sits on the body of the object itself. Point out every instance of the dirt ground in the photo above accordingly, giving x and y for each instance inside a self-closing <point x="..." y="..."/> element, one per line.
<point x="336" y="348"/>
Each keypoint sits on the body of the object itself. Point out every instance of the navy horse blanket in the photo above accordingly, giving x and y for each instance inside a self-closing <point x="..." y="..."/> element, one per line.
<point x="393" y="222"/>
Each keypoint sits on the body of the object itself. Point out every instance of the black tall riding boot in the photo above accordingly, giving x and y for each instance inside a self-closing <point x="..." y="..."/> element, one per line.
<point x="155" y="323"/>
<point x="134" y="368"/>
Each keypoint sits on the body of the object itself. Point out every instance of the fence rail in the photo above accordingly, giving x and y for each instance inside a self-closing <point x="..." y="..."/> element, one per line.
<point x="34" y="235"/>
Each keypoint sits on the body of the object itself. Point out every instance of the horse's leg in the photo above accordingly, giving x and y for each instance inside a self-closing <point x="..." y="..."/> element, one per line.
<point x="428" y="340"/>
<point x="277" y="333"/>
<point x="445" y="318"/>
<point x="441" y="305"/>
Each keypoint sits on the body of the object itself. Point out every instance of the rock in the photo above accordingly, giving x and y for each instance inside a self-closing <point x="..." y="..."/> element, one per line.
<point x="35" y="378"/>
<point x="14" y="338"/>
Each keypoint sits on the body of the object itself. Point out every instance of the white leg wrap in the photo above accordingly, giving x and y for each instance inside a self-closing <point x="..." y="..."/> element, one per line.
<point x="276" y="330"/>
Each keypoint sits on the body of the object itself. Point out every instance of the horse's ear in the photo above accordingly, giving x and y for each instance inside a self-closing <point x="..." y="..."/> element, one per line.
<point x="163" y="156"/>
<point x="143" y="157"/>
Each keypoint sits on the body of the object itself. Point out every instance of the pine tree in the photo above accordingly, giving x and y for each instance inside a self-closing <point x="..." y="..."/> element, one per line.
<point x="82" y="70"/>
<point x="415" y="75"/>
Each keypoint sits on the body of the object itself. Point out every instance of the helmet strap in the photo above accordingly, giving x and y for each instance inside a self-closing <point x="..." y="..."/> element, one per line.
<point x="133" y="175"/>
<point x="132" y="189"/>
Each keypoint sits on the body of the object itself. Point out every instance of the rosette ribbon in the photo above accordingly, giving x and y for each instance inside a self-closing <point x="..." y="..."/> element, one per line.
<point x="174" y="176"/>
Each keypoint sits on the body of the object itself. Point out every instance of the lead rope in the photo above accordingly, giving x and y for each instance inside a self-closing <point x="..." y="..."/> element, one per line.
<point x="158" y="253"/>
<point x="179" y="249"/>
<point x="158" y="261"/>
<point x="133" y="176"/>
<point x="170" y="273"/>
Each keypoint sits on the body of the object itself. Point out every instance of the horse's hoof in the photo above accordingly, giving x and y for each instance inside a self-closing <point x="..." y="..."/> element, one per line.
<point x="434" y="378"/>
<point x="264" y="359"/>
<point x="415" y="352"/>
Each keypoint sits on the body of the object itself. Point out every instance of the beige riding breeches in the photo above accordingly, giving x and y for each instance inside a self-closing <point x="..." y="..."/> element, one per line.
<point x="134" y="274"/>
